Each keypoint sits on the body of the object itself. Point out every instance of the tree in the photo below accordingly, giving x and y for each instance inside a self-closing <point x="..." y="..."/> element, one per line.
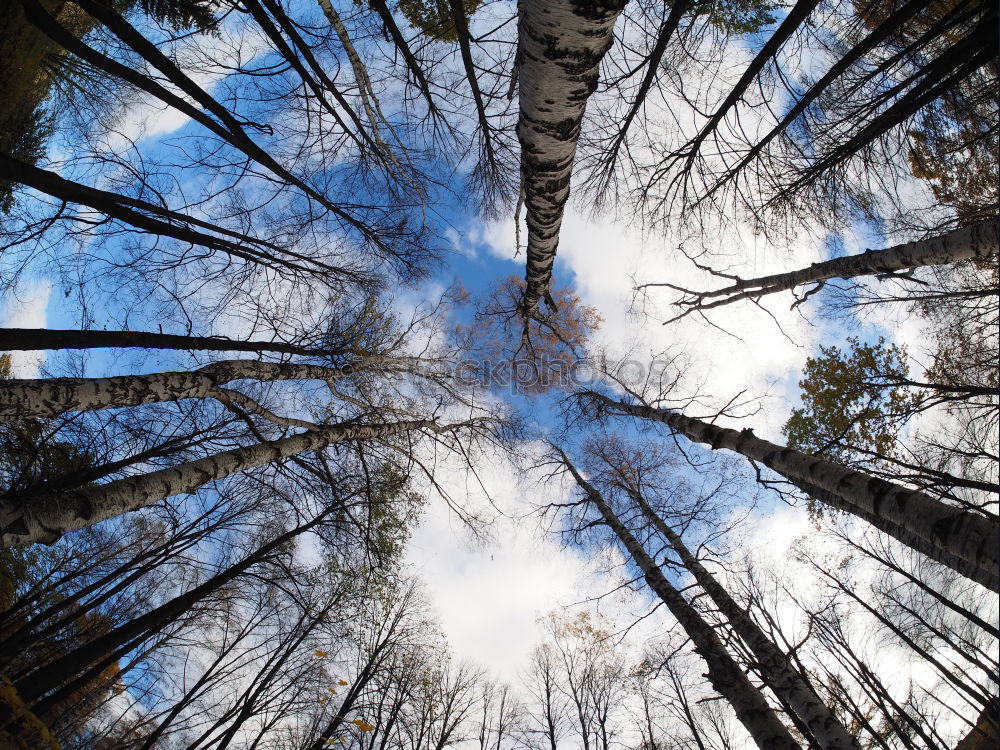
<point x="45" y="519"/>
<point x="434" y="17"/>
<point x="547" y="708"/>
<point x="533" y="358"/>
<point x="579" y="664"/>
<point x="724" y="674"/>
<point x="845" y="125"/>
<point x="627" y="469"/>
<point x="37" y="339"/>
<point x="955" y="532"/>
<point x="973" y="242"/>
<point x="860" y="399"/>
<point x="560" y="47"/>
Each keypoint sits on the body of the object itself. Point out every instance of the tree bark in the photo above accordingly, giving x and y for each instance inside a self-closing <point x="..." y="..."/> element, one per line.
<point x="50" y="397"/>
<point x="39" y="339"/>
<point x="957" y="533"/>
<point x="724" y="673"/>
<point x="987" y="578"/>
<point x="47" y="518"/>
<point x="561" y="44"/>
<point x="777" y="671"/>
<point x="974" y="242"/>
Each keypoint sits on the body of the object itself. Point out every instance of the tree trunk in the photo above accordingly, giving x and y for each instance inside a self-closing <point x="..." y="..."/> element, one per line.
<point x="724" y="673"/>
<point x="47" y="518"/>
<point x="974" y="242"/>
<point x="50" y="397"/>
<point x="955" y="532"/>
<point x="989" y="579"/>
<point x="39" y="339"/>
<point x="561" y="43"/>
<point x="775" y="668"/>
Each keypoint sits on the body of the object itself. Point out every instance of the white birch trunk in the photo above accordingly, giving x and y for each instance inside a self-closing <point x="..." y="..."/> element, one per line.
<point x="561" y="43"/>
<point x="989" y="579"/>
<point x="975" y="242"/>
<point x="53" y="396"/>
<point x="46" y="518"/>
<point x="778" y="673"/>
<point x="724" y="674"/>
<point x="959" y="533"/>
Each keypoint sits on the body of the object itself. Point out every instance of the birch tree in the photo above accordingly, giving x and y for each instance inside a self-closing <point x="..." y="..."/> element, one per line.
<point x="627" y="469"/>
<point x="51" y="397"/>
<point x="40" y="339"/>
<point x="560" y="46"/>
<point x="47" y="518"/>
<point x="977" y="242"/>
<point x="724" y="674"/>
<point x="954" y="532"/>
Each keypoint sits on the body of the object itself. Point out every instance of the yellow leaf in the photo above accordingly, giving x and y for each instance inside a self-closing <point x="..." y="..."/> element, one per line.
<point x="341" y="682"/>
<point x="321" y="654"/>
<point x="363" y="725"/>
<point x="332" y="691"/>
<point x="322" y="701"/>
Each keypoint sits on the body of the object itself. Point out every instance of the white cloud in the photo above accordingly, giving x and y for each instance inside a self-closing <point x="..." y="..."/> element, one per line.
<point x="489" y="595"/>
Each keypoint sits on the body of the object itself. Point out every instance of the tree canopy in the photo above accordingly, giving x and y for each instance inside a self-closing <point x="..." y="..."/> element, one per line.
<point x="287" y="406"/>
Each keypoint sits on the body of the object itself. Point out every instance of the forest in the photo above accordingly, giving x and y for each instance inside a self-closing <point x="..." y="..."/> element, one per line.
<point x="500" y="374"/>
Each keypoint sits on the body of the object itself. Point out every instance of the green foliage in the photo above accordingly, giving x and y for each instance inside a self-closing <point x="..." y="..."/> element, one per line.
<point x="181" y="14"/>
<point x="392" y="508"/>
<point x="434" y="17"/>
<point x="23" y="135"/>
<point x="369" y="329"/>
<point x="852" y="399"/>
<point x="29" y="456"/>
<point x="738" y="16"/>
<point x="19" y="728"/>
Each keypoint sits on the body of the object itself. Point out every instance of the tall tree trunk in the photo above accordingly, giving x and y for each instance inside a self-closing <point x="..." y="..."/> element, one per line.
<point x="775" y="668"/>
<point x="561" y="43"/>
<point x="45" y="519"/>
<point x="38" y="339"/>
<point x="50" y="397"/>
<point x="988" y="578"/>
<point x="958" y="533"/>
<point x="724" y="673"/>
<point x="973" y="242"/>
<point x="157" y="220"/>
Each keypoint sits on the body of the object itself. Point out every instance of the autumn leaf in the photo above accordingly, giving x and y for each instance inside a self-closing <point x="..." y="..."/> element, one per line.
<point x="321" y="654"/>
<point x="363" y="725"/>
<point x="341" y="682"/>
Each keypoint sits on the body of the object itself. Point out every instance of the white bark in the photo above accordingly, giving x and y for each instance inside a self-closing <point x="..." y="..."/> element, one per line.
<point x="975" y="242"/>
<point x="561" y="43"/>
<point x="47" y="517"/>
<point x="959" y="533"/>
<point x="777" y="671"/>
<point x="724" y="673"/>
<point x="53" y="396"/>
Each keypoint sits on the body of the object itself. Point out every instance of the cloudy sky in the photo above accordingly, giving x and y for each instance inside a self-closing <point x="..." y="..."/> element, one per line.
<point x="489" y="593"/>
